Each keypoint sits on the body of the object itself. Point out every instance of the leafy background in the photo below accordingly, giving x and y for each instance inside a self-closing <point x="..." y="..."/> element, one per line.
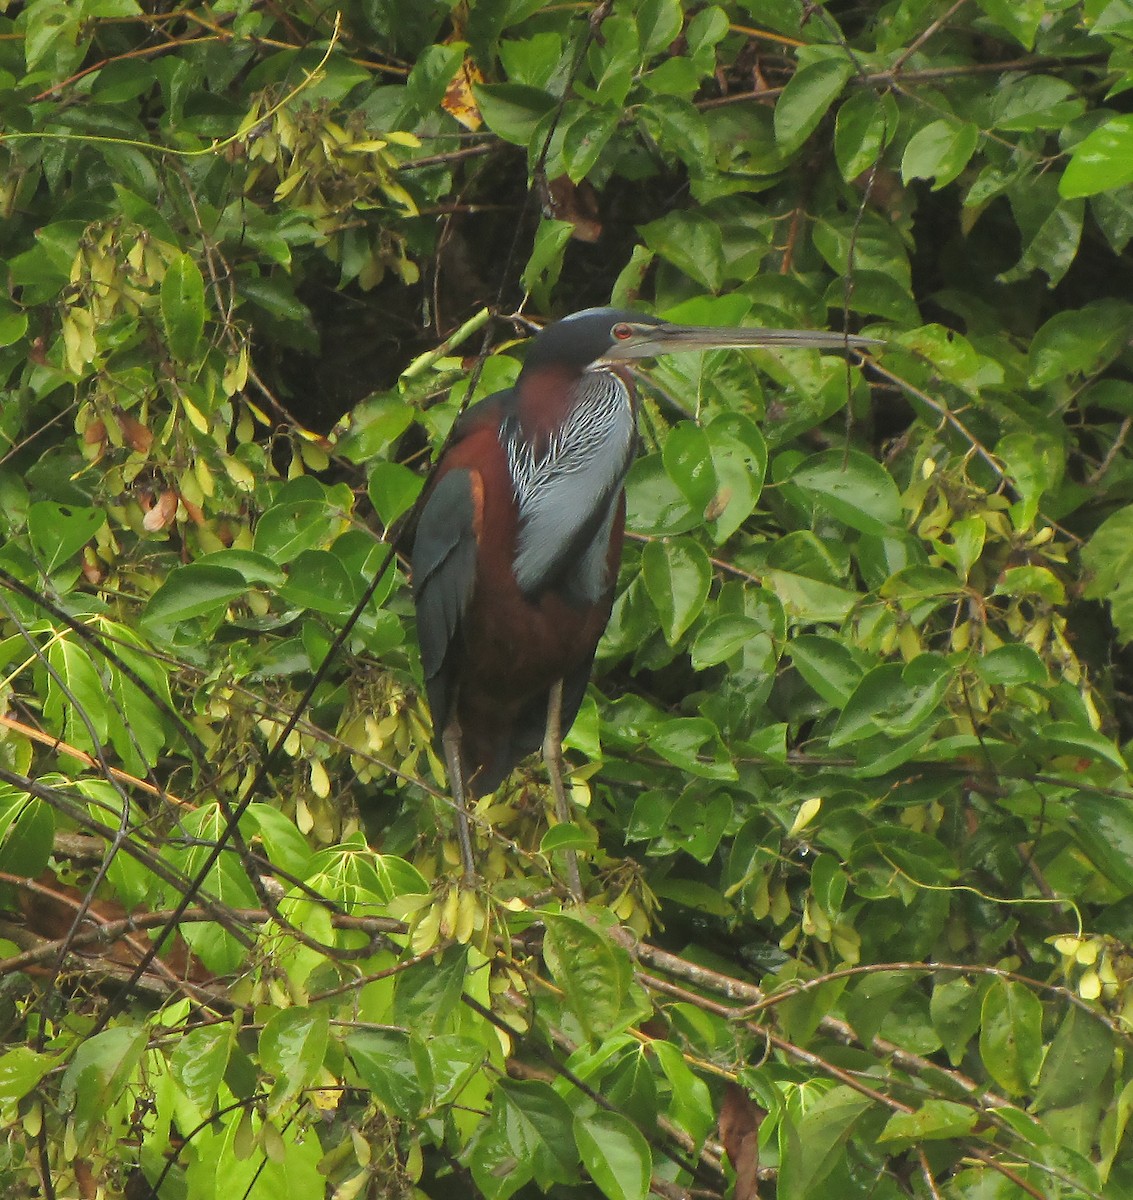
<point x="854" y="807"/>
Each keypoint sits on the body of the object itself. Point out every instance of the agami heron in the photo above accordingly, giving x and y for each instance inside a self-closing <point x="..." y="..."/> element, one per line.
<point x="519" y="538"/>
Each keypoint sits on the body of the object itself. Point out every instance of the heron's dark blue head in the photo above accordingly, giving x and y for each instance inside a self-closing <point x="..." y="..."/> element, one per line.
<point x="597" y="337"/>
<point x="584" y="338"/>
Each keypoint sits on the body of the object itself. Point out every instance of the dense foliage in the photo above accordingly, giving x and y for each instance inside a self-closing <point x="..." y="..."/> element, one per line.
<point x="855" y="818"/>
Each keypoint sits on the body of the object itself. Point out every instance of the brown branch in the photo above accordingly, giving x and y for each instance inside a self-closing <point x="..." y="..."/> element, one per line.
<point x="62" y="747"/>
<point x="923" y="37"/>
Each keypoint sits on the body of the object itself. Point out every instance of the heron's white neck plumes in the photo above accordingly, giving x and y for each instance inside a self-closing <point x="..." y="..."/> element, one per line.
<point x="565" y="485"/>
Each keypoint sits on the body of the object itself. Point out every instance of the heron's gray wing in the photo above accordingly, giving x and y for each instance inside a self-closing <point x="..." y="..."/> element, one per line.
<point x="444" y="572"/>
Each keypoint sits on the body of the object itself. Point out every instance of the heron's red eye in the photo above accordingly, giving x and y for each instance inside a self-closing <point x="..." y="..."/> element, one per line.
<point x="621" y="332"/>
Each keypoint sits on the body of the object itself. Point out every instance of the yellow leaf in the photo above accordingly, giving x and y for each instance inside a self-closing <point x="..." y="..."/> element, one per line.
<point x="808" y="810"/>
<point x="197" y="419"/>
<point x="459" y="101"/>
<point x="320" y="780"/>
<point x="78" y="339"/>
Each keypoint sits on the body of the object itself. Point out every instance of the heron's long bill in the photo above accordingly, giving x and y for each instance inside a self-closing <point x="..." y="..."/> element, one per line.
<point x="644" y="341"/>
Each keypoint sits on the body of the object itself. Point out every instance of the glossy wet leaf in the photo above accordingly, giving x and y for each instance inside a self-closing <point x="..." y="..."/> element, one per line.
<point x="183" y="306"/>
<point x="852" y="488"/>
<point x="815" y="1141"/>
<point x="527" y="1136"/>
<point x="805" y="99"/>
<point x="512" y="110"/>
<point x="592" y="972"/>
<point x="292" y="1047"/>
<point x="939" y="151"/>
<point x="199" y="1062"/>
<point x="677" y="577"/>
<point x="1011" y="1043"/>
<point x="59" y="531"/>
<point x="615" y="1155"/>
<point x="98" y="1074"/>
<point x="394" y="1067"/>
<point x="192" y="591"/>
<point x="1101" y="161"/>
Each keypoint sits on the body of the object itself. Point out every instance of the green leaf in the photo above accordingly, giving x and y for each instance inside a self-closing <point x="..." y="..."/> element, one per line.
<point x="21" y="1069"/>
<point x="395" y="1067"/>
<point x="722" y="638"/>
<point x="546" y="261"/>
<point x="58" y="531"/>
<point x="293" y="1045"/>
<point x="431" y="75"/>
<point x="1051" y="227"/>
<point x="935" y="1120"/>
<point x="183" y="306"/>
<point x="27" y="831"/>
<point x="865" y="125"/>
<point x="1079" y="1058"/>
<point x="921" y="858"/>
<point x="955" y="1012"/>
<point x="1066" y="737"/>
<point x="526" y="1137"/>
<point x="1101" y="161"/>
<point x="193" y="591"/>
<point x="511" y="110"/>
<point x="254" y="568"/>
<point x="939" y="151"/>
<point x="593" y="973"/>
<point x="585" y="139"/>
<point x="1103" y="827"/>
<point x="1035" y="463"/>
<point x="615" y="1154"/>
<point x="13" y="326"/>
<point x="1108" y="557"/>
<point x="613" y="59"/>
<point x="318" y="580"/>
<point x="654" y="503"/>
<point x="658" y="24"/>
<point x="97" y="1076"/>
<point x="894" y="699"/>
<point x="1020" y="18"/>
<point x="286" y="530"/>
<point x="828" y="665"/>
<point x="1011" y="1041"/>
<point x="393" y="490"/>
<point x="1011" y="664"/>
<point x="693" y="744"/>
<point x="373" y="426"/>
<point x="677" y="576"/>
<point x="815" y="1141"/>
<point x="76" y="694"/>
<point x="1079" y="342"/>
<point x="739" y="462"/>
<point x="199" y="1062"/>
<point x="1024" y="103"/>
<point x="426" y="997"/>
<point x="692" y="242"/>
<point x="687" y="456"/>
<point x="805" y="99"/>
<point x="532" y="60"/>
<point x="851" y="487"/>
<point x="690" y="1105"/>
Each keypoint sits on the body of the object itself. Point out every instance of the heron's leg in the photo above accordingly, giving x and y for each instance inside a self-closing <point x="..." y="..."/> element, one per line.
<point x="553" y="757"/>
<point x="450" y="741"/>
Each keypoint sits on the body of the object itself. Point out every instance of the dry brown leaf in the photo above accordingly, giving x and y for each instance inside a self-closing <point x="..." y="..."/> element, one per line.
<point x="740" y="1118"/>
<point x="458" y="100"/>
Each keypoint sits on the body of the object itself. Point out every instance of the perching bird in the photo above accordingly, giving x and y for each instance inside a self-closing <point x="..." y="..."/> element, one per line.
<point x="519" y="539"/>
